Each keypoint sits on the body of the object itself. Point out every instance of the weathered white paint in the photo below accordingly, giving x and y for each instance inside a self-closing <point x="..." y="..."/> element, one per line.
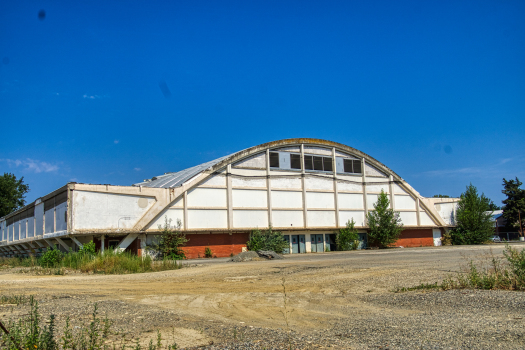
<point x="179" y="203"/>
<point x="23" y="227"/>
<point x="371" y="199"/>
<point x="317" y="183"/>
<point x="293" y="149"/>
<point x="60" y="217"/>
<point x="373" y="171"/>
<point x="405" y="203"/>
<point x="207" y="197"/>
<point x="321" y="218"/>
<point x="398" y="189"/>
<point x="285" y="199"/>
<point x="95" y="210"/>
<point x="31" y="227"/>
<point x="39" y="219"/>
<point x="49" y="217"/>
<point x="349" y="186"/>
<point x="318" y="200"/>
<point x="408" y="218"/>
<point x="199" y="219"/>
<point x="287" y="218"/>
<point x="425" y="219"/>
<point x="215" y="180"/>
<point x="248" y="172"/>
<point x="350" y="201"/>
<point x="250" y="219"/>
<point x="447" y="212"/>
<point x="318" y="150"/>
<point x="358" y="216"/>
<point x="282" y="183"/>
<point x="436" y="234"/>
<point x="344" y="155"/>
<point x="250" y="199"/>
<point x="246" y="182"/>
<point x="172" y="215"/>
<point x="378" y="188"/>
<point x="257" y="161"/>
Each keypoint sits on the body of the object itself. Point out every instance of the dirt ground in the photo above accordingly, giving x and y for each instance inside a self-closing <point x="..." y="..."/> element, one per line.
<point x="339" y="299"/>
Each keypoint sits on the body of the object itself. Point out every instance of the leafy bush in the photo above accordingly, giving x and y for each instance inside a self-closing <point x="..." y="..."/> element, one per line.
<point x="170" y="242"/>
<point x="51" y="258"/>
<point x="267" y="240"/>
<point x="88" y="248"/>
<point x="384" y="223"/>
<point x="207" y="252"/>
<point x="346" y="237"/>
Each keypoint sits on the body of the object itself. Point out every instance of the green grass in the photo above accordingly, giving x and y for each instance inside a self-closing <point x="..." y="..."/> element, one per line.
<point x="13" y="299"/>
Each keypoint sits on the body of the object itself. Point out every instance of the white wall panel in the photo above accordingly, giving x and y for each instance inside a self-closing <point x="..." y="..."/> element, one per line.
<point x="404" y="202"/>
<point x="350" y="201"/>
<point x="179" y="203"/>
<point x="287" y="218"/>
<point x="321" y="218"/>
<point x="371" y="199"/>
<point x="446" y="211"/>
<point x="372" y="171"/>
<point x="250" y="219"/>
<point x="207" y="197"/>
<point x="425" y="219"/>
<point x="96" y="210"/>
<point x="317" y="200"/>
<point x="172" y="215"/>
<point x="285" y="199"/>
<point x="244" y="182"/>
<point x="215" y="180"/>
<point x="348" y="186"/>
<point x="293" y="149"/>
<point x="50" y="220"/>
<point x="31" y="227"/>
<point x="23" y="227"/>
<point x="39" y="219"/>
<point x="16" y="230"/>
<point x="207" y="219"/>
<point x="408" y="218"/>
<point x="318" y="150"/>
<point x="316" y="183"/>
<point x="378" y="188"/>
<point x="358" y="216"/>
<point x="61" y="222"/>
<point x="249" y="199"/>
<point x="286" y="183"/>
<point x="257" y="161"/>
<point x="10" y="231"/>
<point x="398" y="189"/>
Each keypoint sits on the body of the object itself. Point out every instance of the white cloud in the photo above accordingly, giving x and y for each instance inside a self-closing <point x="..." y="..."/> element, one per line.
<point x="32" y="165"/>
<point x="137" y="169"/>
<point x="116" y="142"/>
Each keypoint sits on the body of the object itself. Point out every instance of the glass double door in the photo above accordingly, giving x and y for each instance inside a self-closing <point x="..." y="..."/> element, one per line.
<point x="317" y="243"/>
<point x="298" y="244"/>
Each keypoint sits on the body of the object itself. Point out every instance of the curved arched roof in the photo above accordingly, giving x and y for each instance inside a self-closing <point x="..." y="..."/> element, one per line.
<point x="176" y="179"/>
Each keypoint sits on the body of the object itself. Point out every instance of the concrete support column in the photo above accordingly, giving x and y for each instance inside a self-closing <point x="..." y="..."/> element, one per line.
<point x="417" y="209"/>
<point x="391" y="187"/>
<point x="269" y="188"/>
<point x="336" y="196"/>
<point x="185" y="203"/>
<point x="303" y="186"/>
<point x="102" y="243"/>
<point x="229" y="195"/>
<point x="365" y="199"/>
<point x="142" y="247"/>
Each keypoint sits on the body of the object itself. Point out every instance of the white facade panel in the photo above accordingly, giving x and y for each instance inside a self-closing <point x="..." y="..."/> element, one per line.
<point x="31" y="227"/>
<point x="49" y="216"/>
<point x="207" y="197"/>
<point x="215" y="180"/>
<point x="61" y="219"/>
<point x="447" y="212"/>
<point x="10" y="232"/>
<point x="436" y="235"/>
<point x="95" y="210"/>
<point x="321" y="218"/>
<point x="173" y="215"/>
<point x="23" y="228"/>
<point x="317" y="183"/>
<point x="2" y="230"/>
<point x="378" y="188"/>
<point x="250" y="219"/>
<point x="244" y="182"/>
<point x="249" y="199"/>
<point x="257" y="161"/>
<point x="39" y="219"/>
<point x="350" y="201"/>
<point x="350" y="187"/>
<point x="404" y="202"/>
<point x="287" y="218"/>
<point x="293" y="183"/>
<point x="408" y="218"/>
<point x="373" y="171"/>
<point x="358" y="216"/>
<point x="293" y="149"/>
<point x="317" y="200"/>
<point x="398" y="189"/>
<point x="425" y="219"/>
<point x="318" y="150"/>
<point x="371" y="200"/>
<point x="16" y="230"/>
<point x="179" y="203"/>
<point x="199" y="219"/>
<point x="287" y="199"/>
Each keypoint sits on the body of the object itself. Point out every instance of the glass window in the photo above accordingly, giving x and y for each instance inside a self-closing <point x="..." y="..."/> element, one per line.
<point x="327" y="163"/>
<point x="357" y="166"/>
<point x="274" y="159"/>
<point x="348" y="166"/>
<point x="318" y="163"/>
<point x="295" y="161"/>
<point x="309" y="162"/>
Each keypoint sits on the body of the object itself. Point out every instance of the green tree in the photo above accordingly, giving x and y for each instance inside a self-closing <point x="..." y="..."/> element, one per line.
<point x="171" y="241"/>
<point x="345" y="238"/>
<point x="441" y="196"/>
<point x="474" y="223"/>
<point x="267" y="240"/>
<point x="384" y="223"/>
<point x="12" y="193"/>
<point x="514" y="204"/>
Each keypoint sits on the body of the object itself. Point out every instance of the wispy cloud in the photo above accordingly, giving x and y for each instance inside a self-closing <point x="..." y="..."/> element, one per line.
<point x="453" y="172"/>
<point x="137" y="169"/>
<point x="92" y="97"/>
<point x="116" y="142"/>
<point x="485" y="171"/>
<point x="32" y="165"/>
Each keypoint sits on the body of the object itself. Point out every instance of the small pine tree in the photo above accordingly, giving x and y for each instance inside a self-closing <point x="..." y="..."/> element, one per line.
<point x="346" y="237"/>
<point x="474" y="223"/>
<point x="384" y="223"/>
<point x="170" y="242"/>
<point x="514" y="204"/>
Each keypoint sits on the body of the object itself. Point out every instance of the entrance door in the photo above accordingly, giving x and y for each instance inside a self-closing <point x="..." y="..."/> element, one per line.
<point x="295" y="244"/>
<point x="287" y="240"/>
<point x="319" y="243"/>
<point x="329" y="242"/>
<point x="302" y="244"/>
<point x="363" y="241"/>
<point x="313" y="244"/>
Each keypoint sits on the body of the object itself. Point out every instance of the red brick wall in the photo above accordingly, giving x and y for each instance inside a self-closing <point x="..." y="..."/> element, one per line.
<point x="221" y="245"/>
<point x="415" y="238"/>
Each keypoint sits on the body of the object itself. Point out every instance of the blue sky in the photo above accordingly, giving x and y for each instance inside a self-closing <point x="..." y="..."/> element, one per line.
<point x="116" y="92"/>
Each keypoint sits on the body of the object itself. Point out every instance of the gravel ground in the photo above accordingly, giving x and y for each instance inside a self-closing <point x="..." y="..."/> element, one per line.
<point x="332" y="301"/>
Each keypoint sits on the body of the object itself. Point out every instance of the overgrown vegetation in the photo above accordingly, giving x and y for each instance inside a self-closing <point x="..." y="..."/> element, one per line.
<point x="207" y="252"/>
<point x="169" y="244"/>
<point x="474" y="223"/>
<point x="267" y="240"/>
<point x="514" y="204"/>
<point x="30" y="333"/>
<point x="87" y="260"/>
<point x="384" y="223"/>
<point x="507" y="273"/>
<point x="347" y="238"/>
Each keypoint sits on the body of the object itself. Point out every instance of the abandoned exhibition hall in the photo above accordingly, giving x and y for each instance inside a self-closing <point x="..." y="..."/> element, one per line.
<point x="306" y="188"/>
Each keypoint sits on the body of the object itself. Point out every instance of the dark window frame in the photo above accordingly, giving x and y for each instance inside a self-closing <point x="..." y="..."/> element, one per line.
<point x="272" y="158"/>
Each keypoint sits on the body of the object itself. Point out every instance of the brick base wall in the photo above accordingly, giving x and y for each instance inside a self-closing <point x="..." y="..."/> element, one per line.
<point x="221" y="245"/>
<point x="415" y="238"/>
